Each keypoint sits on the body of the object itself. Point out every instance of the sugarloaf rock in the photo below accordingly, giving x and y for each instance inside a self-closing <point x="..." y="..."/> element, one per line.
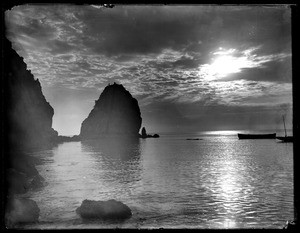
<point x="116" y="113"/>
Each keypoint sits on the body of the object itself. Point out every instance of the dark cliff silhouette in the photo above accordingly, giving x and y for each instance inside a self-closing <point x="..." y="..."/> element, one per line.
<point x="28" y="114"/>
<point x="116" y="113"/>
<point x="27" y="125"/>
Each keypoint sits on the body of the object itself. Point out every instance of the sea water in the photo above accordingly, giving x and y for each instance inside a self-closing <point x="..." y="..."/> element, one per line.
<point x="218" y="181"/>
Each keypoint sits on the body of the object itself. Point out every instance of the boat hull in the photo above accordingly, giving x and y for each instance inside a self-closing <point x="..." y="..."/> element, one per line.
<point x="286" y="139"/>
<point x="257" y="136"/>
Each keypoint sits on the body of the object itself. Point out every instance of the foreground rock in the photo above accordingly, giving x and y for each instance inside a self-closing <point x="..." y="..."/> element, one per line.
<point x="17" y="182"/>
<point x="37" y="182"/>
<point x="21" y="210"/>
<point x="106" y="210"/>
<point x="116" y="113"/>
<point x="21" y="173"/>
<point x="23" y="163"/>
<point x="20" y="183"/>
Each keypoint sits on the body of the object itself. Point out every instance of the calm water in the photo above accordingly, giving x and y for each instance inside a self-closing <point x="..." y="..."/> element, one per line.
<point x="170" y="182"/>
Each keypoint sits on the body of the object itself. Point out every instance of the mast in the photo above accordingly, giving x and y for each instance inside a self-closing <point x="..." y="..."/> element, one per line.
<point x="284" y="125"/>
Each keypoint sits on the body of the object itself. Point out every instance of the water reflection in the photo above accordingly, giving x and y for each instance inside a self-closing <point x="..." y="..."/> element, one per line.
<point x="96" y="170"/>
<point x="117" y="162"/>
<point x="232" y="185"/>
<point x="116" y="148"/>
<point x="245" y="181"/>
<point x="218" y="182"/>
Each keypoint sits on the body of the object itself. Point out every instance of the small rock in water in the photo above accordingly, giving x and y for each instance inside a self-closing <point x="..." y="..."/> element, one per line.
<point x="110" y="209"/>
<point x="21" y="210"/>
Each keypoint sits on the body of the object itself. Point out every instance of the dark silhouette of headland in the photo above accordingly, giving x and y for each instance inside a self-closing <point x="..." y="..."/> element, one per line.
<point x="27" y="125"/>
<point x="28" y="114"/>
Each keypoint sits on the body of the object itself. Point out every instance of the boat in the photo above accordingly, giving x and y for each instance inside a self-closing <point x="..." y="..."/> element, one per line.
<point x="285" y="138"/>
<point x="257" y="136"/>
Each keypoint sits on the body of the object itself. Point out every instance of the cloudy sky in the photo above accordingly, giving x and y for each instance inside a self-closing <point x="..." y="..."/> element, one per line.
<point x="191" y="68"/>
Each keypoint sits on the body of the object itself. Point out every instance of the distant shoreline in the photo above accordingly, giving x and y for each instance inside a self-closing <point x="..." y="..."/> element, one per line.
<point x="213" y="132"/>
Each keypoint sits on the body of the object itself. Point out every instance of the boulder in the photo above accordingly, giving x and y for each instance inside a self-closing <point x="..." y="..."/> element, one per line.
<point x="24" y="164"/>
<point x="106" y="210"/>
<point x="116" y="113"/>
<point x="17" y="182"/>
<point x="20" y="183"/>
<point x="21" y="210"/>
<point x="37" y="182"/>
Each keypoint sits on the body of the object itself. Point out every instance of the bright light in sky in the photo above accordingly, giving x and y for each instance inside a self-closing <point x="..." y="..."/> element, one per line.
<point x="224" y="63"/>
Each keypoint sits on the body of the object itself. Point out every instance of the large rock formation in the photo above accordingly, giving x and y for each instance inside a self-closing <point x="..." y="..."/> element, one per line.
<point x="29" y="115"/>
<point x="27" y="125"/>
<point x="116" y="113"/>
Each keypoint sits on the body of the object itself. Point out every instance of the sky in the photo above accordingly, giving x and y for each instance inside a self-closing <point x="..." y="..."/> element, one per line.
<point x="191" y="67"/>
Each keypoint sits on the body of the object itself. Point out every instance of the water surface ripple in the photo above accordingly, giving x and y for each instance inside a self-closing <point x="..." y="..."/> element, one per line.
<point x="170" y="182"/>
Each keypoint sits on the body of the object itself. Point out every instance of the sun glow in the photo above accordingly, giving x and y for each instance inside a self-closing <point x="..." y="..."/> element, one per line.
<point x="225" y="63"/>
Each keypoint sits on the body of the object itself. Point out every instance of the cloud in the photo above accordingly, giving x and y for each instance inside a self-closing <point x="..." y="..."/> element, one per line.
<point x="150" y="29"/>
<point x="60" y="47"/>
<point x="168" y="55"/>
<point x="276" y="71"/>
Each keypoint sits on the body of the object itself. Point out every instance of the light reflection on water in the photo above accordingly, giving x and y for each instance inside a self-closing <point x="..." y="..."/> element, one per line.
<point x="218" y="182"/>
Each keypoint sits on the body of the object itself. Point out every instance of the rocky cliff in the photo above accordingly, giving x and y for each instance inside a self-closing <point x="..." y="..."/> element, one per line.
<point x="27" y="124"/>
<point x="116" y="113"/>
<point x="29" y="115"/>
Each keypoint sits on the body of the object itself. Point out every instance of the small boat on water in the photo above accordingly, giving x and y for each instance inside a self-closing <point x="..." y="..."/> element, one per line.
<point x="257" y="136"/>
<point x="285" y="138"/>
